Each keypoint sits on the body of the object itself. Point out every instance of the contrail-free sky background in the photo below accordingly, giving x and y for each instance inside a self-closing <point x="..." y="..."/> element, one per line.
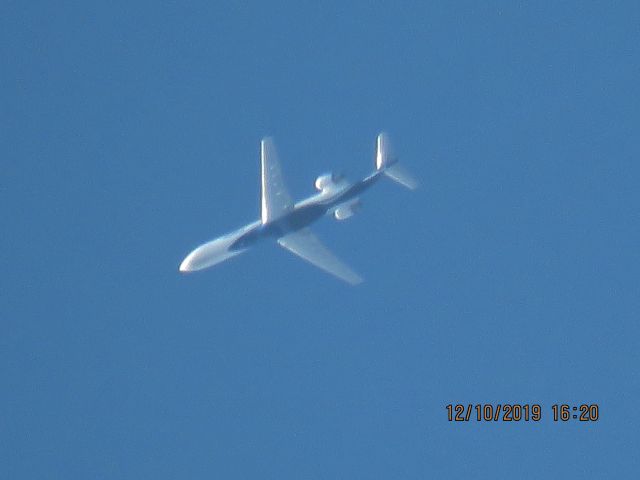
<point x="130" y="134"/>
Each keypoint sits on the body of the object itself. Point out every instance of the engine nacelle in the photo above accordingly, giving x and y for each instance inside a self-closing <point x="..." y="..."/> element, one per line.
<point x="325" y="181"/>
<point x="330" y="182"/>
<point x="346" y="210"/>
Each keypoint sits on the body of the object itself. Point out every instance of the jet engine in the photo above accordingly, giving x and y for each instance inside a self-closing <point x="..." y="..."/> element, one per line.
<point x="325" y="181"/>
<point x="330" y="182"/>
<point x="346" y="210"/>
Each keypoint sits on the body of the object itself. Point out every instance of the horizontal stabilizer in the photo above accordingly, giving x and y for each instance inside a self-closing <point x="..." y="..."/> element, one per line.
<point x="399" y="174"/>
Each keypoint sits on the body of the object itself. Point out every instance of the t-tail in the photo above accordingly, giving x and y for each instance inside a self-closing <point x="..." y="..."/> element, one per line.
<point x="387" y="162"/>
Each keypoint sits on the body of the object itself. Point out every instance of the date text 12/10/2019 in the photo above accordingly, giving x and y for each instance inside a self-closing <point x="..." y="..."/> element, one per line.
<point x="521" y="412"/>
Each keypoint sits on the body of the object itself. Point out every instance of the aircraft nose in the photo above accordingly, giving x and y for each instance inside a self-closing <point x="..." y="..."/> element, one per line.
<point x="185" y="266"/>
<point x="209" y="254"/>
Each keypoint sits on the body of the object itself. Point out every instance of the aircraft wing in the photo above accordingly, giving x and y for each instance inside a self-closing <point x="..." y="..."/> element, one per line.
<point x="276" y="201"/>
<point x="308" y="247"/>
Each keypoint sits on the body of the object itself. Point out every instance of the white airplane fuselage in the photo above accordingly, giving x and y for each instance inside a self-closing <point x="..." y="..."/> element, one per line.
<point x="303" y="214"/>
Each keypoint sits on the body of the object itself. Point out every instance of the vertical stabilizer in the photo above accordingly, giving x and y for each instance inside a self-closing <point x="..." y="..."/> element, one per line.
<point x="387" y="162"/>
<point x="384" y="152"/>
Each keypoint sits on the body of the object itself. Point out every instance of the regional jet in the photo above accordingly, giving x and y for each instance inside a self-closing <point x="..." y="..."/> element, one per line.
<point x="288" y="222"/>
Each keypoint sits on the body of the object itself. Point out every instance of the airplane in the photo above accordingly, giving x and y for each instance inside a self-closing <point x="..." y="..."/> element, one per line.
<point x="288" y="222"/>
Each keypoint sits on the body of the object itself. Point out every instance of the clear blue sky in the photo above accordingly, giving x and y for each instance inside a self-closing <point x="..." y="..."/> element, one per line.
<point x="130" y="133"/>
